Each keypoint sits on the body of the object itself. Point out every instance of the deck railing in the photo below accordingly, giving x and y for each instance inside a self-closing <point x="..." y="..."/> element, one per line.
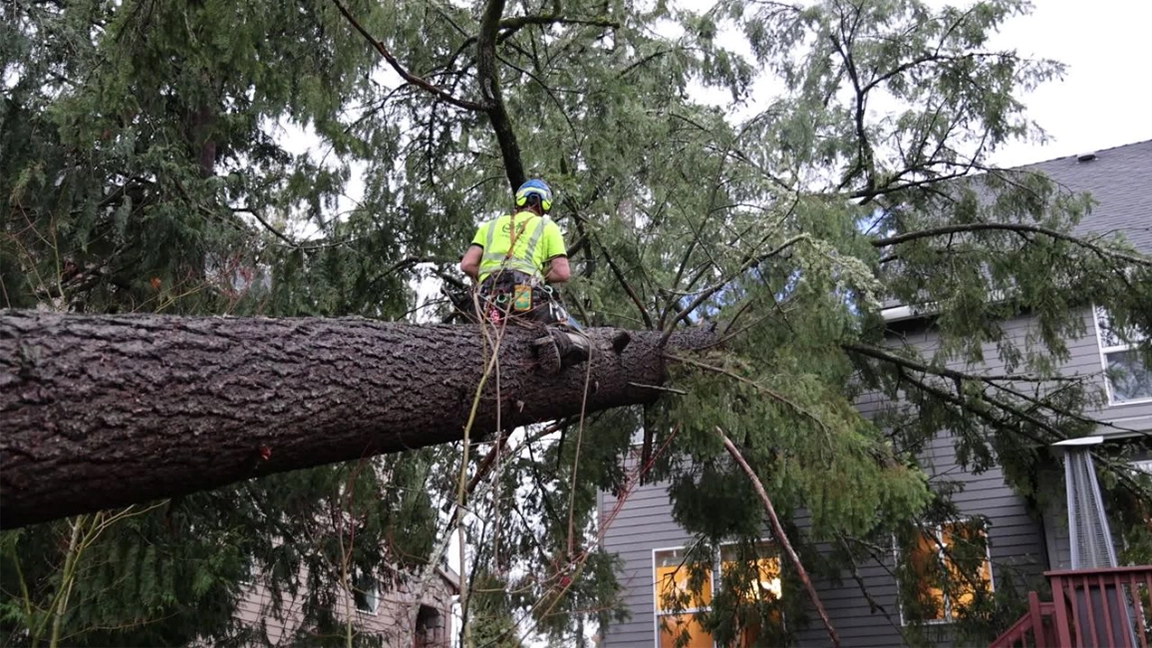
<point x="1037" y="629"/>
<point x="1089" y="608"/>
<point x="1103" y="607"/>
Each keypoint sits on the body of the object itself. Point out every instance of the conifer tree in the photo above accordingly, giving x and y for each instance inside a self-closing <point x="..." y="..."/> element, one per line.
<point x="315" y="159"/>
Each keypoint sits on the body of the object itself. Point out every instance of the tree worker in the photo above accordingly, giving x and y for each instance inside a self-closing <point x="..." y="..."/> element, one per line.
<point x="514" y="259"/>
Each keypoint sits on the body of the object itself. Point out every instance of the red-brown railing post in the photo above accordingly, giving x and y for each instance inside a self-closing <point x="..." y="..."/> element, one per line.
<point x="1033" y="611"/>
<point x="1139" y="608"/>
<point x="1073" y="618"/>
<point x="1063" y="623"/>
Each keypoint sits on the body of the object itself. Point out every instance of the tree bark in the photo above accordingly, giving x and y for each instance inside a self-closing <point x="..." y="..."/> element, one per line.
<point x="104" y="411"/>
<point x="488" y="75"/>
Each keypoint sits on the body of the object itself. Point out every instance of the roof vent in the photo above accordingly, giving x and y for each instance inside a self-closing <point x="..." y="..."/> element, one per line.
<point x="1086" y="157"/>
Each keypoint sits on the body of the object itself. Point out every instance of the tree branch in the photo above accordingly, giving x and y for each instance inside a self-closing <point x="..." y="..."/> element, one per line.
<point x="865" y="158"/>
<point x="625" y="285"/>
<point x="1011" y="227"/>
<point x="490" y="91"/>
<point x="944" y="372"/>
<point x="774" y="395"/>
<point x="780" y="536"/>
<point x="995" y="381"/>
<point x="509" y="26"/>
<point x="712" y="290"/>
<point x="407" y="76"/>
<point x="268" y="226"/>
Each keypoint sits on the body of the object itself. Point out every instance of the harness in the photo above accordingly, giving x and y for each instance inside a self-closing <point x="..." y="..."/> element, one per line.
<point x="523" y="263"/>
<point x="514" y="293"/>
<point x="516" y="289"/>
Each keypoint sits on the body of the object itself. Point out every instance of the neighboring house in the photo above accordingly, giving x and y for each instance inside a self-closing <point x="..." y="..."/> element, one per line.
<point x="383" y="614"/>
<point x="1021" y="545"/>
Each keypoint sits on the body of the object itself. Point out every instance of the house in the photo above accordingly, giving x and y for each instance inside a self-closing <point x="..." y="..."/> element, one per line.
<point x="1023" y="545"/>
<point x="379" y="612"/>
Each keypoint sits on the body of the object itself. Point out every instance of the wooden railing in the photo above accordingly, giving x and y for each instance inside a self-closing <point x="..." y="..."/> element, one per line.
<point x="1037" y="629"/>
<point x="1103" y="607"/>
<point x="1089" y="608"/>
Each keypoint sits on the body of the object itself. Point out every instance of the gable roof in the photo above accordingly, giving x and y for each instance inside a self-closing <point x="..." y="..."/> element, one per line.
<point x="1120" y="181"/>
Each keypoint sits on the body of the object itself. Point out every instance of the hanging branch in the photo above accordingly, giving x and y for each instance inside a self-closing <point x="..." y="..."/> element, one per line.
<point x="778" y="531"/>
<point x="405" y="74"/>
<point x="1101" y="251"/>
<point x="623" y="281"/>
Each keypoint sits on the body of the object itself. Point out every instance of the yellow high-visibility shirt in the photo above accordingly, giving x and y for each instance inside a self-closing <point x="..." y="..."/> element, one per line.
<point x="538" y="240"/>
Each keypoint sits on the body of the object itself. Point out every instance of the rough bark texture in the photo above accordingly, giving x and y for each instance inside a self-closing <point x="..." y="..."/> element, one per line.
<point x="104" y="411"/>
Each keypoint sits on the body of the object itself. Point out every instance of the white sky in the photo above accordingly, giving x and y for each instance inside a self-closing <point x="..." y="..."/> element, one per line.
<point x="1104" y="99"/>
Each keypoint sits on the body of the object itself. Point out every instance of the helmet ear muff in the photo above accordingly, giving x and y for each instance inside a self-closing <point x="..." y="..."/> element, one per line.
<point x="534" y="199"/>
<point x="539" y="189"/>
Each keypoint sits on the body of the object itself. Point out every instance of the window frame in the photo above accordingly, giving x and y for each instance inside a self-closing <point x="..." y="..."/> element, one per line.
<point x="947" y="600"/>
<point x="714" y="581"/>
<point x="1104" y="351"/>
<point x="370" y="595"/>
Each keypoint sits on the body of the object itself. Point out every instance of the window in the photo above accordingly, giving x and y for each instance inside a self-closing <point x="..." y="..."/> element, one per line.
<point x="366" y="593"/>
<point x="677" y="607"/>
<point x="678" y="578"/>
<point x="430" y="630"/>
<point x="1127" y="377"/>
<point x="949" y="566"/>
<point x="248" y="571"/>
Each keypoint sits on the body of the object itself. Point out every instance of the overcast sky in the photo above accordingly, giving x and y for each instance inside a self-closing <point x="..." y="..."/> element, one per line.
<point x="1104" y="99"/>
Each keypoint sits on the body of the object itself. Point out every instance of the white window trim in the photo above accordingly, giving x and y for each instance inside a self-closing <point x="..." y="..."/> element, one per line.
<point x="948" y="619"/>
<point x="656" y="594"/>
<point x="1104" y="351"/>
<point x="656" y="584"/>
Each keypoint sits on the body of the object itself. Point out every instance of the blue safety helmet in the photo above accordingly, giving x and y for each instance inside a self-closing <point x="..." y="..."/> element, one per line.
<point x="538" y="188"/>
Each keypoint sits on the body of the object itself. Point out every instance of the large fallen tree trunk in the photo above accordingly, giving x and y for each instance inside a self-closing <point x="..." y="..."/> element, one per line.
<point x="104" y="411"/>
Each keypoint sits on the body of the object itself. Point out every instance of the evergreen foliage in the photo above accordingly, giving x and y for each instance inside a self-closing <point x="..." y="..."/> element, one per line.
<point x="262" y="158"/>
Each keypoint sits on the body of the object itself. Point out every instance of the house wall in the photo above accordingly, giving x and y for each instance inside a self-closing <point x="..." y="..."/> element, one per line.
<point x="642" y="524"/>
<point x="1018" y="543"/>
<point x="1116" y="179"/>
<point x="388" y="622"/>
<point x="1023" y="541"/>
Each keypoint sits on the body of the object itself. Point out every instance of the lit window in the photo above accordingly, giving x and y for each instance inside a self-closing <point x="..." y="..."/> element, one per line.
<point x="678" y="606"/>
<point x="950" y="565"/>
<point x="755" y="580"/>
<point x="1128" y="378"/>
<point x="766" y="585"/>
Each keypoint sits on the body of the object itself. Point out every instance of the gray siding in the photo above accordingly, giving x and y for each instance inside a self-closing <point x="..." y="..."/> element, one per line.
<point x="1022" y="543"/>
<point x="1084" y="359"/>
<point x="1118" y="180"/>
<point x="1016" y="547"/>
<point x="644" y="523"/>
<point x="1016" y="538"/>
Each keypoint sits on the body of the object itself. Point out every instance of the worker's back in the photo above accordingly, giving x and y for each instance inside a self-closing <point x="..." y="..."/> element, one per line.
<point x="534" y="241"/>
